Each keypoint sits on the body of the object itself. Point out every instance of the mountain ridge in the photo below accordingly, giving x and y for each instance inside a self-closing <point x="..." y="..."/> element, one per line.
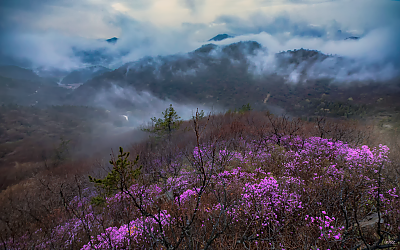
<point x="220" y="37"/>
<point x="226" y="76"/>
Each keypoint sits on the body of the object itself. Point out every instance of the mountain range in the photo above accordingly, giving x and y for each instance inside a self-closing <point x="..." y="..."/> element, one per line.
<point x="225" y="76"/>
<point x="230" y="76"/>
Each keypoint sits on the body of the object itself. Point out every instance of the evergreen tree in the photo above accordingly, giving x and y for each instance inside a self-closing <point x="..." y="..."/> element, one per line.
<point x="245" y="108"/>
<point x="166" y="125"/>
<point x="121" y="177"/>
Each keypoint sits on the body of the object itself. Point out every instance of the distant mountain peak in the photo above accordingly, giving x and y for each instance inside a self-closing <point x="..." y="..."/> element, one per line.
<point x="352" y="38"/>
<point x="112" y="40"/>
<point x="220" y="37"/>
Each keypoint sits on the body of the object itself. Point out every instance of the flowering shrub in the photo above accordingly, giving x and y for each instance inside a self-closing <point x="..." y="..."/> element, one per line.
<point x="309" y="193"/>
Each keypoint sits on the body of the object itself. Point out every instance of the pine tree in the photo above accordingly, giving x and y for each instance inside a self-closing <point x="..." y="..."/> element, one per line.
<point x="166" y="125"/>
<point x="245" y="108"/>
<point x="121" y="177"/>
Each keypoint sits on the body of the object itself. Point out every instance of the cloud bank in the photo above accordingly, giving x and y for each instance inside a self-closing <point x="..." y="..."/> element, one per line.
<point x="373" y="57"/>
<point x="67" y="35"/>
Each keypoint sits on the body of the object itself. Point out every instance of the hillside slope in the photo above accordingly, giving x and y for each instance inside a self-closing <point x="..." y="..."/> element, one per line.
<point x="300" y="81"/>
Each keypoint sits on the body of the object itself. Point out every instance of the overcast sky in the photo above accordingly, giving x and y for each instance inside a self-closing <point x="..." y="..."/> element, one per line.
<point x="104" y="18"/>
<point x="45" y="31"/>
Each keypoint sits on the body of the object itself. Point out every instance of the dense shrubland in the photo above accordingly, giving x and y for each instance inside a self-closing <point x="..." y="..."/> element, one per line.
<point x="236" y="181"/>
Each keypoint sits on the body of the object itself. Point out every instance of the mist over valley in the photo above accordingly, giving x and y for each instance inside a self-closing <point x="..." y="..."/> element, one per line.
<point x="189" y="124"/>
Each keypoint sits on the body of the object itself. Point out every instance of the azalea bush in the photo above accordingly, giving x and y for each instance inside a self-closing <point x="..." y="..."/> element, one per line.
<point x="291" y="192"/>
